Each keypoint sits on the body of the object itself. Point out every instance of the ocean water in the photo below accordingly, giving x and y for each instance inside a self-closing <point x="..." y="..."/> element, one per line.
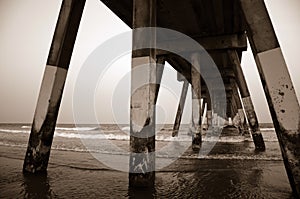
<point x="85" y="162"/>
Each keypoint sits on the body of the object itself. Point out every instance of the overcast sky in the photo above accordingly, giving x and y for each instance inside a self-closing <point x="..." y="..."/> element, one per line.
<point x="26" y="30"/>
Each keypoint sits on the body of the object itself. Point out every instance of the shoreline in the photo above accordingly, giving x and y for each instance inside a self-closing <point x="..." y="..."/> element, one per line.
<point x="79" y="175"/>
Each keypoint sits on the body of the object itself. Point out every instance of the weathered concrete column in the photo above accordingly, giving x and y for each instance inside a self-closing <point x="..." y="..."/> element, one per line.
<point x="235" y="116"/>
<point x="247" y="102"/>
<point x="160" y="66"/>
<point x="243" y="122"/>
<point x="196" y="101"/>
<point x="203" y="116"/>
<point x="208" y="110"/>
<point x="180" y="108"/>
<point x="277" y="84"/>
<point x="229" y="111"/>
<point x="215" y="110"/>
<point x="229" y="106"/>
<point x="232" y="106"/>
<point x="203" y="107"/>
<point x="222" y="114"/>
<point x="41" y="136"/>
<point x="144" y="90"/>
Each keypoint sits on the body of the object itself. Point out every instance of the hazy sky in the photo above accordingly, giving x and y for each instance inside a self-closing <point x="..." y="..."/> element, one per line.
<point x="26" y="30"/>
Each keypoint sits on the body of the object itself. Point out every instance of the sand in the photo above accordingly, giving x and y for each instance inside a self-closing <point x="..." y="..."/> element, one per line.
<point x="78" y="175"/>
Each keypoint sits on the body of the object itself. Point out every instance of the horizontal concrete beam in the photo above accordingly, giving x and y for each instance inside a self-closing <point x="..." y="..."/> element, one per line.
<point x="222" y="42"/>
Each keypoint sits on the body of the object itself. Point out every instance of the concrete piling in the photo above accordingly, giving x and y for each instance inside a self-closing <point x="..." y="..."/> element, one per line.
<point x="196" y="102"/>
<point x="180" y="108"/>
<point x="147" y="69"/>
<point x="160" y="66"/>
<point x="208" y="110"/>
<point x="243" y="122"/>
<point x="277" y="84"/>
<point x="247" y="101"/>
<point x="144" y="90"/>
<point x="203" y="105"/>
<point x="42" y="131"/>
<point x="235" y="114"/>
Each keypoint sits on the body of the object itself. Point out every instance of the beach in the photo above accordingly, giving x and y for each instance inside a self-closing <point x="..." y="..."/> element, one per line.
<point x="232" y="169"/>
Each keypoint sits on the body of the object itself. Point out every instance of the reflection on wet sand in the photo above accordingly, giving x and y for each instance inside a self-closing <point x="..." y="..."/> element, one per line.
<point x="145" y="193"/>
<point x="37" y="186"/>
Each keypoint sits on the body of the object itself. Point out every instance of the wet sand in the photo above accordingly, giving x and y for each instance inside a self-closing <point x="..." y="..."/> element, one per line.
<point x="78" y="175"/>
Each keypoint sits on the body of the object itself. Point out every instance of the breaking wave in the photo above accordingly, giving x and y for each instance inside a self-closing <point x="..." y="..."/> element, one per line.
<point x="123" y="134"/>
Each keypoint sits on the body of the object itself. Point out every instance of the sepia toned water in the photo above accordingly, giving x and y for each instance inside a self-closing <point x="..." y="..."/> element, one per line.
<point x="232" y="169"/>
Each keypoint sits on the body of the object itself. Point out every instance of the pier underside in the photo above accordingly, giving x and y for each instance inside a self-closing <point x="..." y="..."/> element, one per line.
<point x="221" y="27"/>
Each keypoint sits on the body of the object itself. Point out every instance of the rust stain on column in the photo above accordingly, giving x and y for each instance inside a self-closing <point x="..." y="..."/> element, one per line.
<point x="277" y="84"/>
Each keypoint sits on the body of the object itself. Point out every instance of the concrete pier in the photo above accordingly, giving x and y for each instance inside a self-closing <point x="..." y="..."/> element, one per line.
<point x="41" y="136"/>
<point x="235" y="114"/>
<point x="160" y="66"/>
<point x="247" y="101"/>
<point x="209" y="111"/>
<point x="144" y="92"/>
<point x="180" y="108"/>
<point x="220" y="28"/>
<point x="243" y="122"/>
<point x="277" y="84"/>
<point x="203" y="105"/>
<point x="196" y="102"/>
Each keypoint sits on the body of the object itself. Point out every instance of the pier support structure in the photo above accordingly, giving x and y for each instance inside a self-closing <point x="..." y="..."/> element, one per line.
<point x="196" y="102"/>
<point x="42" y="131"/>
<point x="160" y="66"/>
<point x="247" y="101"/>
<point x="208" y="110"/>
<point x="240" y="110"/>
<point x="203" y="117"/>
<point x="203" y="105"/>
<point x="180" y="108"/>
<point x="144" y="90"/>
<point x="277" y="84"/>
<point x="235" y="114"/>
